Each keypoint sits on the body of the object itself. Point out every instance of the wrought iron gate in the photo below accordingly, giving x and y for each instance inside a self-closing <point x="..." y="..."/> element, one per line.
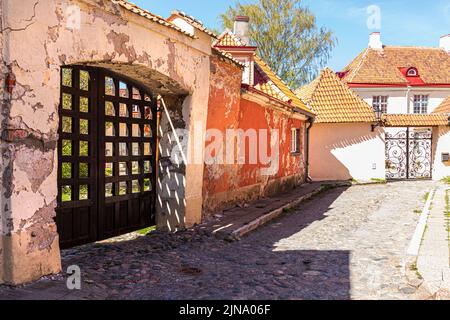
<point x="409" y="154"/>
<point x="106" y="157"/>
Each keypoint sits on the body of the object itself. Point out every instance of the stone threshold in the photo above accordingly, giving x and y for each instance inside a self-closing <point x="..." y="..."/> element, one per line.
<point x="234" y="223"/>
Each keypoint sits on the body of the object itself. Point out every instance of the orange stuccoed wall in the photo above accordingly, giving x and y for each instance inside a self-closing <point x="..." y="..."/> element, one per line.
<point x="226" y="185"/>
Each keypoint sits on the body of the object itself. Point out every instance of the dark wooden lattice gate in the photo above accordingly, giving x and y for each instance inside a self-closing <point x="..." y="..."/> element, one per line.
<point x="106" y="156"/>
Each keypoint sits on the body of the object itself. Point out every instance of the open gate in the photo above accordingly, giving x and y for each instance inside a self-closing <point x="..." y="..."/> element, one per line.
<point x="409" y="154"/>
<point x="106" y="156"/>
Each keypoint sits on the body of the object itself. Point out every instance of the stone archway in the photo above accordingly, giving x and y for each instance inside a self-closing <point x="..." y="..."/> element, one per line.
<point x="159" y="57"/>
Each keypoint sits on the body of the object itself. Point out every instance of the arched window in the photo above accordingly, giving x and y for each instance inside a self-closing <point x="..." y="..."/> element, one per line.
<point x="412" y="72"/>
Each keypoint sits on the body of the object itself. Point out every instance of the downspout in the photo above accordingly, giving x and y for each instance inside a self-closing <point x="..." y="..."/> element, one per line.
<point x="408" y="104"/>
<point x="311" y="123"/>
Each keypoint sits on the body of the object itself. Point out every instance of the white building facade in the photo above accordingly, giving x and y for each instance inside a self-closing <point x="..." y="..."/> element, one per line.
<point x="407" y="85"/>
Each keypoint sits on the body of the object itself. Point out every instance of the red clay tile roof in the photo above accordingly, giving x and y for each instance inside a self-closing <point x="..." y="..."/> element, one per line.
<point x="385" y="66"/>
<point x="275" y="87"/>
<point x="444" y="107"/>
<point x="228" y="56"/>
<point x="266" y="81"/>
<point x="415" y="120"/>
<point x="333" y="101"/>
<point x="150" y="16"/>
<point x="228" y="39"/>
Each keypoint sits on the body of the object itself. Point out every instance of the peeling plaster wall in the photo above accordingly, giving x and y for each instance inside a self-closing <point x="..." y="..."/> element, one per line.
<point x="38" y="37"/>
<point x="226" y="185"/>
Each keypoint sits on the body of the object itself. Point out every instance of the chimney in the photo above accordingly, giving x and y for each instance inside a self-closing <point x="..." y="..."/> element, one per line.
<point x="444" y="43"/>
<point x="375" y="41"/>
<point x="241" y="28"/>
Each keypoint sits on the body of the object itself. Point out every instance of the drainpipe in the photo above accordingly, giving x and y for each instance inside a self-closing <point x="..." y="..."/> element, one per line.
<point x="311" y="123"/>
<point x="408" y="105"/>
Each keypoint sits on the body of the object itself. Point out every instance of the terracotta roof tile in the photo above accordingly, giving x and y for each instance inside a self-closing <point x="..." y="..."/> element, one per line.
<point x="333" y="101"/>
<point x="383" y="66"/>
<point x="276" y="88"/>
<point x="147" y="14"/>
<point x="444" y="107"/>
<point x="266" y="80"/>
<point x="194" y="22"/>
<point x="227" y="56"/>
<point x="228" y="39"/>
<point x="415" y="120"/>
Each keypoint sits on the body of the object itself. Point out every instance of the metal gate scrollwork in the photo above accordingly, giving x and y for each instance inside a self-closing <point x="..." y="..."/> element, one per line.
<point x="409" y="154"/>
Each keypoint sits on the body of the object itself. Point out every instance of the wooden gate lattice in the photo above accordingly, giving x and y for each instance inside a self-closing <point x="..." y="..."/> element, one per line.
<point x="106" y="156"/>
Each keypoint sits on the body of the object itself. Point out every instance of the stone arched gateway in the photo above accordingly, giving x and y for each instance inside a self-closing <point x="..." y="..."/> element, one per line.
<point x="38" y="39"/>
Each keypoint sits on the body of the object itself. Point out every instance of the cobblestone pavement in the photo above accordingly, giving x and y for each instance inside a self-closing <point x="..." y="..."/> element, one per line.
<point x="346" y="243"/>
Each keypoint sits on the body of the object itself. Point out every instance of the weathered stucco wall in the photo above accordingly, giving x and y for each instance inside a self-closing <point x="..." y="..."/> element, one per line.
<point x="441" y="144"/>
<point x="346" y="151"/>
<point x="39" y="36"/>
<point x="226" y="184"/>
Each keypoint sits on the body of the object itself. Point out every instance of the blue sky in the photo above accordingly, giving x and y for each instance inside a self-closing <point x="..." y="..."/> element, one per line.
<point x="403" y="22"/>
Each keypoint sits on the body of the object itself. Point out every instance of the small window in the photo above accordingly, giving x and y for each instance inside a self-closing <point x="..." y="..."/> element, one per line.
<point x="380" y="103"/>
<point x="295" y="140"/>
<point x="412" y="72"/>
<point x="420" y="103"/>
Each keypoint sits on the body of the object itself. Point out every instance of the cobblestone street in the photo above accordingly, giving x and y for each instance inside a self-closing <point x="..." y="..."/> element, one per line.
<point x="346" y="243"/>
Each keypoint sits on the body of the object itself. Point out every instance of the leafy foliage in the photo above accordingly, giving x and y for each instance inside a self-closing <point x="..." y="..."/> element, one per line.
<point x="287" y="37"/>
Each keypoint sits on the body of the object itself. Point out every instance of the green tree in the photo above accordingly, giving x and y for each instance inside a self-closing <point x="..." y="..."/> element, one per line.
<point x="287" y="37"/>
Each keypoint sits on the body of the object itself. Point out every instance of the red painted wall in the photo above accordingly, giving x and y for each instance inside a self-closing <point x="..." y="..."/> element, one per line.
<point x="226" y="185"/>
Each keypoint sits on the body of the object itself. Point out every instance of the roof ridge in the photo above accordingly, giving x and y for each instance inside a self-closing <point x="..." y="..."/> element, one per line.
<point x="317" y="85"/>
<point x="133" y="8"/>
<point x="196" y="23"/>
<point x="355" y="71"/>
<point x="345" y="86"/>
<point x="229" y="32"/>
<point x="334" y="101"/>
<point x="279" y="78"/>
<point x="412" y="47"/>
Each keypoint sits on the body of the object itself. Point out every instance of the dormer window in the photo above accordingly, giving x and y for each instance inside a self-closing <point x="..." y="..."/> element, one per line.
<point x="412" y="72"/>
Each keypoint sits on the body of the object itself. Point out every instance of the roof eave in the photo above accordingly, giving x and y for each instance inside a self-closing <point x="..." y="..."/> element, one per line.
<point x="291" y="107"/>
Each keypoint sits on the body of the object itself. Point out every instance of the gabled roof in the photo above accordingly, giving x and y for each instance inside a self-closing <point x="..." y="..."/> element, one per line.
<point x="193" y="22"/>
<point x="387" y="66"/>
<point x="229" y="39"/>
<point x="147" y="14"/>
<point x="275" y="87"/>
<point x="333" y="101"/>
<point x="265" y="80"/>
<point x="415" y="120"/>
<point x="444" y="107"/>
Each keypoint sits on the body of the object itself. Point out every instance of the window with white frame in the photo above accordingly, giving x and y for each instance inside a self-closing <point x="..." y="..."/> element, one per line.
<point x="420" y="103"/>
<point x="295" y="140"/>
<point x="380" y="103"/>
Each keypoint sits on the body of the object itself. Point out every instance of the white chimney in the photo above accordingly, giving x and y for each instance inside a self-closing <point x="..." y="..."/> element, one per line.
<point x="241" y="28"/>
<point x="375" y="41"/>
<point x="444" y="43"/>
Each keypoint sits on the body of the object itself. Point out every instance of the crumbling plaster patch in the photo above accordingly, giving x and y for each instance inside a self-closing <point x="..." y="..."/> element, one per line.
<point x="39" y="43"/>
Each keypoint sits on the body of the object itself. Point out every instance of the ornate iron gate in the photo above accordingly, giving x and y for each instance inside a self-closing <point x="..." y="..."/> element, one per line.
<point x="106" y="148"/>
<point x="409" y="154"/>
